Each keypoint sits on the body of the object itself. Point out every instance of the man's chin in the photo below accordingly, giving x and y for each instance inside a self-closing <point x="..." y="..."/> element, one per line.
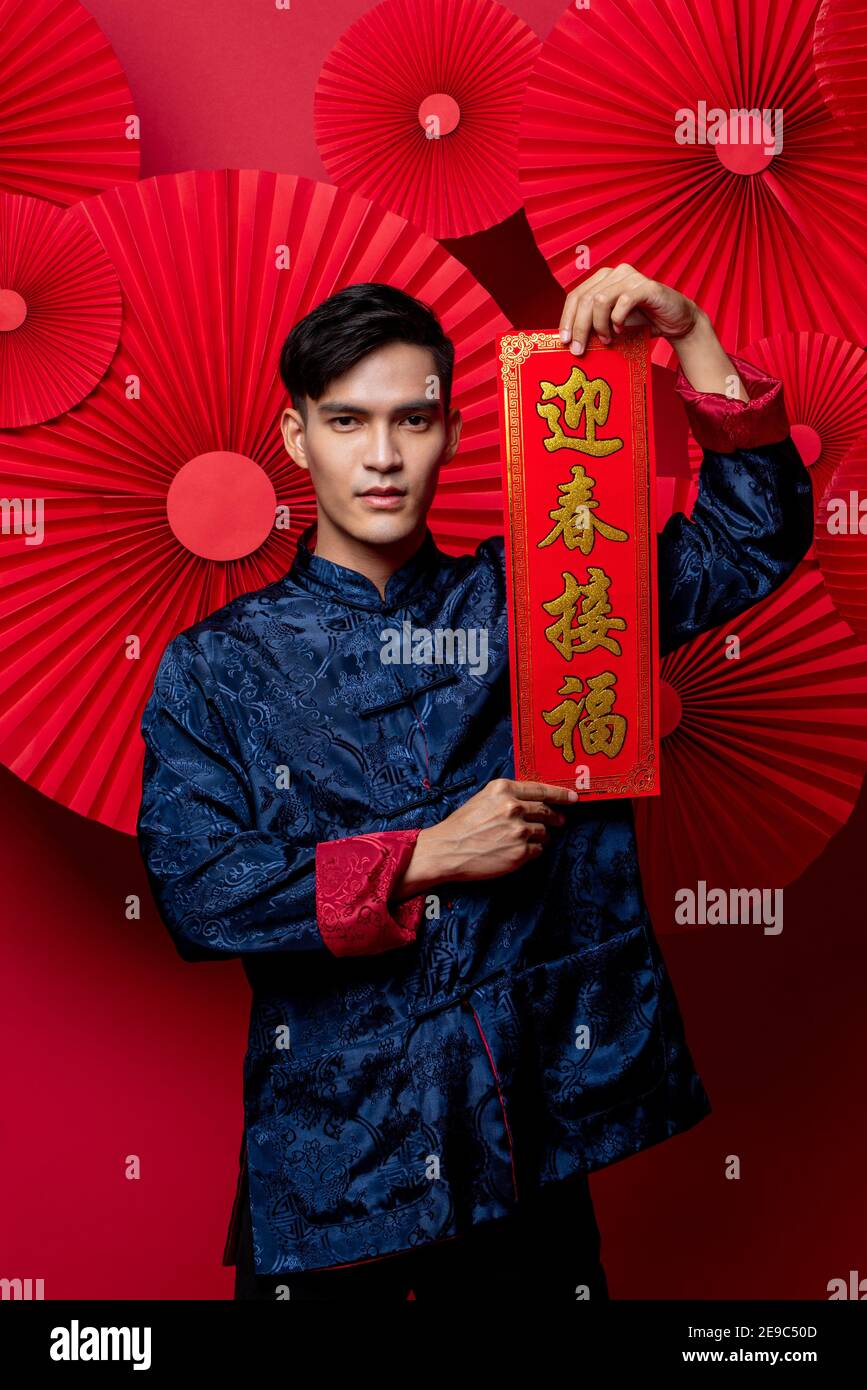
<point x="386" y="526"/>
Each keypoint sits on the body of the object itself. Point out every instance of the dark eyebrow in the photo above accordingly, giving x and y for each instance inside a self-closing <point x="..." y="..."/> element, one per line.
<point x="347" y="408"/>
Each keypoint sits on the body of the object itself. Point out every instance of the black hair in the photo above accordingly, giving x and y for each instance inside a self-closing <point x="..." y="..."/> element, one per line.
<point x="347" y="326"/>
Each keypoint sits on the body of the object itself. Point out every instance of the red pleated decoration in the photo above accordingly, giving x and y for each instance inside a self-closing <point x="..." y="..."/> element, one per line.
<point x="841" y="539"/>
<point x="65" y="106"/>
<point x="763" y="756"/>
<point x="215" y="268"/>
<point x="825" y="385"/>
<point x="60" y="311"/>
<point x="409" y="67"/>
<point x="766" y="239"/>
<point x="840" y="52"/>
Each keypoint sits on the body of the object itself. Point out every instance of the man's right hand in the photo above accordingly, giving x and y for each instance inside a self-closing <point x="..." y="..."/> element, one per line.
<point x="495" y="832"/>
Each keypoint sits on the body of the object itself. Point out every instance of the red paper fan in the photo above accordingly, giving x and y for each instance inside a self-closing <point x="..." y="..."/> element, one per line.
<point x="60" y="311"/>
<point x="64" y="104"/>
<point x="841" y="539"/>
<point x="825" y="386"/>
<point x="840" y="52"/>
<point x="410" y="67"/>
<point x="764" y="241"/>
<point x="763" y="756"/>
<point x="215" y="267"/>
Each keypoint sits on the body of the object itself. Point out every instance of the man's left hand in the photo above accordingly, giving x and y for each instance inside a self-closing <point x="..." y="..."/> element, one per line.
<point x="618" y="297"/>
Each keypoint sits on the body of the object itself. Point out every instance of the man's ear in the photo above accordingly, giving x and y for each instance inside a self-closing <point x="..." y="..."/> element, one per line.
<point x="454" y="425"/>
<point x="292" y="429"/>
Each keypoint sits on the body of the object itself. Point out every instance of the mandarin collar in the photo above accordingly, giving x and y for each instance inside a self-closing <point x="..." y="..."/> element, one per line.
<point x="343" y="585"/>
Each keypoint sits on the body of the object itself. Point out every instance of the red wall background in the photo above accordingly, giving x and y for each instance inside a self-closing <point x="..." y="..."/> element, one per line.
<point x="114" y="1046"/>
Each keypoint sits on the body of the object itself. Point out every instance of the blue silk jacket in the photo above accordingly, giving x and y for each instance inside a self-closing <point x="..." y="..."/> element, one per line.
<point x="409" y="1075"/>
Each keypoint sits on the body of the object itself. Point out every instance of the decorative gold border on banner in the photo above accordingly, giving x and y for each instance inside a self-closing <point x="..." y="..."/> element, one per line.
<point x="515" y="348"/>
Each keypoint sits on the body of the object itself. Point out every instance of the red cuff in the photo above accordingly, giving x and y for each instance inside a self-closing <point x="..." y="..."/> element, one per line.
<point x="354" y="878"/>
<point x="725" y="425"/>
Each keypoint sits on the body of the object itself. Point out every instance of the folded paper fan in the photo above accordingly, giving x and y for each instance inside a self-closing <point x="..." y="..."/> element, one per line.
<point x="160" y="491"/>
<point x="840" y="52"/>
<point x="763" y="754"/>
<point x="825" y="388"/>
<point x="633" y="149"/>
<point x="841" y="539"/>
<point x="417" y="107"/>
<point x="65" y="108"/>
<point x="60" y="310"/>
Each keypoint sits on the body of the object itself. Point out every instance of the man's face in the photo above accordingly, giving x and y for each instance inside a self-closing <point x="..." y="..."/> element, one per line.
<point x="376" y="427"/>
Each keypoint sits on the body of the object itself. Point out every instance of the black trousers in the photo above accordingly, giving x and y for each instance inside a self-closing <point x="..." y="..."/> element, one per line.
<point x="549" y="1248"/>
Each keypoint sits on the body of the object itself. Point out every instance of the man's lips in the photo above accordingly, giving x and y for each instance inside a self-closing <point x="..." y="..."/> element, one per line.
<point x="383" y="497"/>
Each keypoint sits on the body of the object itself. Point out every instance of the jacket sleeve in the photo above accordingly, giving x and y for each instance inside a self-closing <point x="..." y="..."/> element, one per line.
<point x="222" y="886"/>
<point x="753" y="518"/>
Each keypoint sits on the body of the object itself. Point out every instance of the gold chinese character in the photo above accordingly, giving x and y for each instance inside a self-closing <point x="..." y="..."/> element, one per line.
<point x="600" y="730"/>
<point x="574" y="515"/>
<point x="580" y="396"/>
<point x="592" y="624"/>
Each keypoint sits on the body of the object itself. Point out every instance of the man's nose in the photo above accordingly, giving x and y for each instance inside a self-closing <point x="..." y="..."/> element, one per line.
<point x="382" y="447"/>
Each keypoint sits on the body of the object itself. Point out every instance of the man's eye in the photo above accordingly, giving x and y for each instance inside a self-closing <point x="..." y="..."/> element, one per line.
<point x="418" y="419"/>
<point x="347" y="419"/>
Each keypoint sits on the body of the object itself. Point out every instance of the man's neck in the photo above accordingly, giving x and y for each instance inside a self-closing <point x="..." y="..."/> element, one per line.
<point x="376" y="562"/>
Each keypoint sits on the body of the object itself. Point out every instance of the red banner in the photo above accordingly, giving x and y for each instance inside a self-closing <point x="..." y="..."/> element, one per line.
<point x="579" y="484"/>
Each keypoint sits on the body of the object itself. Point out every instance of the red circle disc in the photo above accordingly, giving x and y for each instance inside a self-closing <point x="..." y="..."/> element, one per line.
<point x="221" y="505"/>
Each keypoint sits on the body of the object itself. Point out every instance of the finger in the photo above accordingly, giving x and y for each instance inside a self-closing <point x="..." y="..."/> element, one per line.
<point x="629" y="319"/>
<point x="583" y="323"/>
<point x="603" y="302"/>
<point x="567" y="317"/>
<point x="585" y="310"/>
<point x="541" y="811"/>
<point x="623" y="281"/>
<point x="543" y="791"/>
<point x="621" y="309"/>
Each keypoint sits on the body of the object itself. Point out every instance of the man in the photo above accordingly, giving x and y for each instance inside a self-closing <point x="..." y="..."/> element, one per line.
<point x="425" y="937"/>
